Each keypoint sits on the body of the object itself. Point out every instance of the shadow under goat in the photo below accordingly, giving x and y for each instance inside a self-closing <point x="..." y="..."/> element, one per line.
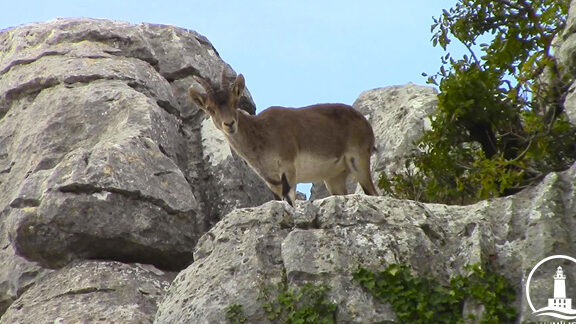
<point x="287" y="146"/>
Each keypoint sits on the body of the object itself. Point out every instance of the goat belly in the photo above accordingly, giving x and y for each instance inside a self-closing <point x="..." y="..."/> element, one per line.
<point x="313" y="168"/>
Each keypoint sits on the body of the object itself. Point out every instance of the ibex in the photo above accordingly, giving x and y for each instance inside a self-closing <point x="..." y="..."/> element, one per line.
<point x="286" y="146"/>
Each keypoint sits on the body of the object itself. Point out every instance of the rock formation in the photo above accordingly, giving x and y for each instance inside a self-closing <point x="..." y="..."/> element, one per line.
<point x="101" y="155"/>
<point x="111" y="183"/>
<point x="325" y="241"/>
<point x="93" y="292"/>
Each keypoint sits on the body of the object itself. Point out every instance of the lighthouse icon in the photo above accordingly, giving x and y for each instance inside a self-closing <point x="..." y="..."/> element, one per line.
<point x="559" y="306"/>
<point x="560" y="302"/>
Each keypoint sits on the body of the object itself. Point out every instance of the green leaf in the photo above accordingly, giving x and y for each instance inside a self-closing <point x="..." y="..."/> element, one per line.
<point x="425" y="300"/>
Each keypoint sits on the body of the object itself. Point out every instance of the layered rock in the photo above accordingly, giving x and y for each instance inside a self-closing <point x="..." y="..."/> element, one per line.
<point x="93" y="292"/>
<point x="101" y="155"/>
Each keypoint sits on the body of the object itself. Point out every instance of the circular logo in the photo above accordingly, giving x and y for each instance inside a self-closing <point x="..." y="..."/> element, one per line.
<point x="559" y="306"/>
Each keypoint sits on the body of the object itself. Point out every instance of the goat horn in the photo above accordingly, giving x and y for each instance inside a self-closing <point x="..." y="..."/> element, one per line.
<point x="206" y="85"/>
<point x="224" y="81"/>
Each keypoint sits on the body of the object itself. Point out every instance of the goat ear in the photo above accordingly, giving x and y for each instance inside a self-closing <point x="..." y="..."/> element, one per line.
<point x="238" y="86"/>
<point x="198" y="98"/>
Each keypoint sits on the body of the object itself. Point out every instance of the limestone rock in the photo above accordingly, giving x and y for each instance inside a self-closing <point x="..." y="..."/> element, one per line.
<point x="92" y="292"/>
<point x="231" y="263"/>
<point x="102" y="157"/>
<point x="101" y="154"/>
<point x="321" y="242"/>
<point x="22" y="275"/>
<point x="566" y="55"/>
<point x="324" y="242"/>
<point x="567" y="43"/>
<point x="398" y="115"/>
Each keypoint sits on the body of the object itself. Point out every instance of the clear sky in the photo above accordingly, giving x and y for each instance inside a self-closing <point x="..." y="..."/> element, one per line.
<point x="292" y="53"/>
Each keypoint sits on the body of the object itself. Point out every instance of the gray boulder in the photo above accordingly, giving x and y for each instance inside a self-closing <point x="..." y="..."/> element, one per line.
<point x="398" y="115"/>
<point x="16" y="276"/>
<point x="92" y="292"/>
<point x="101" y="154"/>
<point x="326" y="240"/>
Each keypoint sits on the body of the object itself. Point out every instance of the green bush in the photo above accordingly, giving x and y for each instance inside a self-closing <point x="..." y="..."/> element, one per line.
<point x="308" y="304"/>
<point x="422" y="300"/>
<point x="235" y="314"/>
<point x="500" y="124"/>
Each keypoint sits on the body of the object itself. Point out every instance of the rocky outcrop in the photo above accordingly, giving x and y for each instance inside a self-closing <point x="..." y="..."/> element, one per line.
<point x="399" y="116"/>
<point x="110" y="182"/>
<point x="326" y="240"/>
<point x="101" y="155"/>
<point x="93" y="292"/>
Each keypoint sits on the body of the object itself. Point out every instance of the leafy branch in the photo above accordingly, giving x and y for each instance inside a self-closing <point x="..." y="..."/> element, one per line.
<point x="500" y="123"/>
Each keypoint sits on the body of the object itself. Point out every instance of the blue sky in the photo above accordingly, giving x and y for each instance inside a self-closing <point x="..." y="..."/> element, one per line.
<point x="292" y="53"/>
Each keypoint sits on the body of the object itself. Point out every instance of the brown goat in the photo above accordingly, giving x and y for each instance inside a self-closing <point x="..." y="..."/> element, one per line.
<point x="286" y="146"/>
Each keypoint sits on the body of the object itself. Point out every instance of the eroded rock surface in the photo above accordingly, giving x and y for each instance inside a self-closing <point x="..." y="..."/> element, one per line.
<point x="93" y="292"/>
<point x="103" y="158"/>
<point x="101" y="154"/>
<point x="326" y="240"/>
